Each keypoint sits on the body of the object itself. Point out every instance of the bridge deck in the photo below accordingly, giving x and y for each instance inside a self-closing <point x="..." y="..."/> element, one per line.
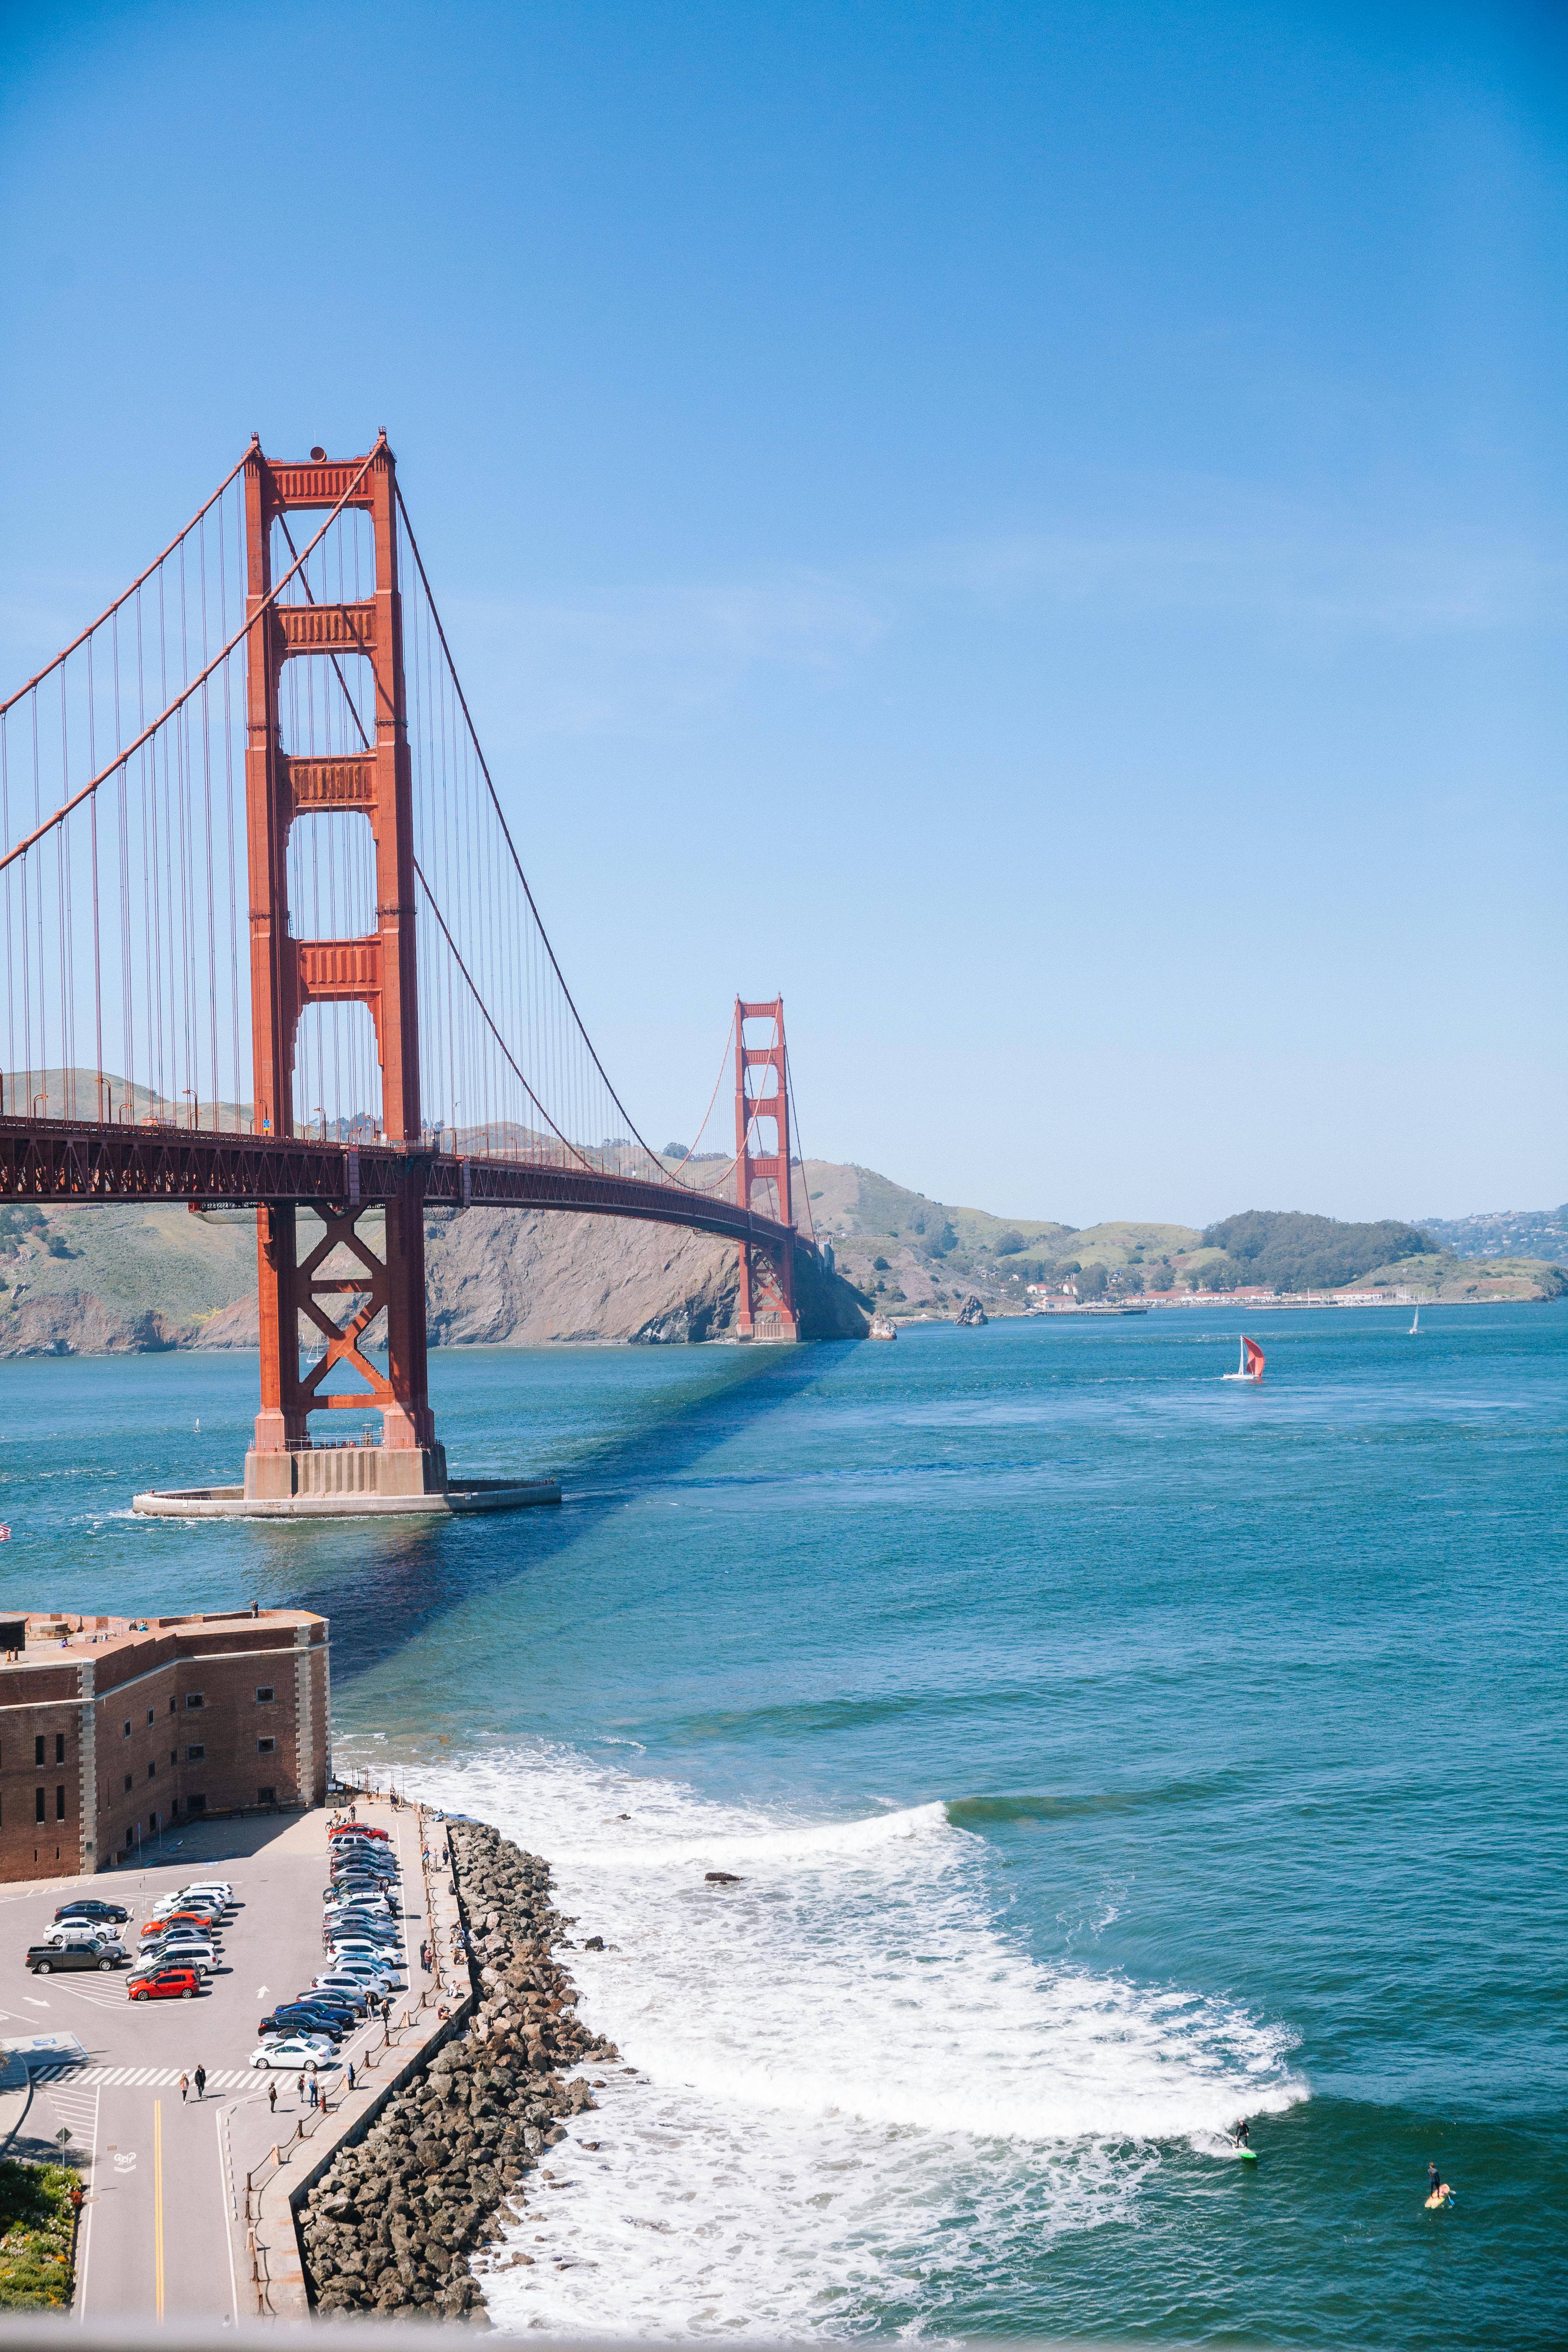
<point x="73" y="1163"/>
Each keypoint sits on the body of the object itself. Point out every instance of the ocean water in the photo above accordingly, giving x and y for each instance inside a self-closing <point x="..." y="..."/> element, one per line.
<point x="1103" y="1752"/>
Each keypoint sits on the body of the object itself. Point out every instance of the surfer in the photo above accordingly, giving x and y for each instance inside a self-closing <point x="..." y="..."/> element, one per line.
<point x="1240" y="2137"/>
<point x="1433" y="2179"/>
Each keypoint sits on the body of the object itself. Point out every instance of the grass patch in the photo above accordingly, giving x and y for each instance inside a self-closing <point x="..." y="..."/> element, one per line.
<point x="36" y="2225"/>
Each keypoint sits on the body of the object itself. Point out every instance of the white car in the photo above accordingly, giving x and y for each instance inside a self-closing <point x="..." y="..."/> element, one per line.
<point x="350" y="1953"/>
<point x="365" y="1973"/>
<point x="338" y="1981"/>
<point x="361" y="1931"/>
<point x="307" y="2054"/>
<point x="200" y="1957"/>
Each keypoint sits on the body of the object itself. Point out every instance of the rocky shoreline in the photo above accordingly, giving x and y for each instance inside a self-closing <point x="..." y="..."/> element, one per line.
<point x="390" y="2224"/>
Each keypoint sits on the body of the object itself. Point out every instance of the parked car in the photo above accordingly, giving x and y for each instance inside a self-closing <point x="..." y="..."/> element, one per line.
<point x="334" y="2006"/>
<point x="88" y="1907"/>
<point x="200" y="1957"/>
<point x="296" y="2053"/>
<point x="43" y="1958"/>
<point x="314" y="2023"/>
<point x="363" y="1917"/>
<point x="343" y="1980"/>
<point x="359" y="1829"/>
<point x="353" y="1995"/>
<point x="102" y="1939"/>
<point x="159" y="1924"/>
<point x="219" y="1888"/>
<point x="172" y="1984"/>
<point x="346" y="1948"/>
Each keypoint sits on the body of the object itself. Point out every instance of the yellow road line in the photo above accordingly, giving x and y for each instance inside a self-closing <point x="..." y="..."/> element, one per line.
<point x="158" y="2205"/>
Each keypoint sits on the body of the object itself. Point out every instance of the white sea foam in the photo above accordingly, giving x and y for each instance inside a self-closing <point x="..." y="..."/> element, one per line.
<point x="854" y="2099"/>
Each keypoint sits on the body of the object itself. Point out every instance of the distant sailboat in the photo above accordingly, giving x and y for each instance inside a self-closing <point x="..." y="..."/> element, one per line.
<point x="1251" y="1365"/>
<point x="1415" y="1325"/>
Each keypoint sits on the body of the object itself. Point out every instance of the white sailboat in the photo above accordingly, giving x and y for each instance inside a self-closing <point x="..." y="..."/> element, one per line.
<point x="1250" y="1368"/>
<point x="1415" y="1325"/>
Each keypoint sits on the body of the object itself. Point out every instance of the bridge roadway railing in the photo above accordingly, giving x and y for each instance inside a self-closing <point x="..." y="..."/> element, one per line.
<point x="70" y="1162"/>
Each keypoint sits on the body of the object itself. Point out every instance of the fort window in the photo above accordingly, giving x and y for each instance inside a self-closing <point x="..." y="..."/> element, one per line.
<point x="125" y="1732"/>
<point x="37" y="1806"/>
<point x="38" y="1747"/>
<point x="152" y="1770"/>
<point x="195" y="1699"/>
<point x="60" y="1748"/>
<point x="264" y="1695"/>
<point x="59" y="1804"/>
<point x="128" y="1780"/>
<point x="195" y="1755"/>
<point x="264" y="1747"/>
<point x="266" y="1796"/>
<point x="195" y="1804"/>
<point x="149" y="1715"/>
<point x="174" y="1706"/>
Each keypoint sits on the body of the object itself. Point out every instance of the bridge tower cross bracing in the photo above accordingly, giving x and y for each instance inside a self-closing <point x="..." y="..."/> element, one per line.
<point x="765" y="1307"/>
<point x="378" y="971"/>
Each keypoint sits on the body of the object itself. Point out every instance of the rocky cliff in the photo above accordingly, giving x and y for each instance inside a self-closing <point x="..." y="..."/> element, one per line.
<point x="119" y="1280"/>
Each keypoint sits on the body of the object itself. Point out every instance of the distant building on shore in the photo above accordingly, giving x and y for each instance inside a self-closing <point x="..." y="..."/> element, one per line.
<point x="114" y="1728"/>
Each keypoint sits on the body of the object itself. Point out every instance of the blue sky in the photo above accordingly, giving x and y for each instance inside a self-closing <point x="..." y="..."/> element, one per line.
<point x="1036" y="530"/>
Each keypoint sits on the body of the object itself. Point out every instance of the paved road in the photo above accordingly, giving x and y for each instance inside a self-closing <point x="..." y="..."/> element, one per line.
<point x="161" y="2232"/>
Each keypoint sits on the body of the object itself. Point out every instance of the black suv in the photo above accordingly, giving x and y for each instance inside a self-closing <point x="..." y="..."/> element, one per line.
<point x="44" y="1958"/>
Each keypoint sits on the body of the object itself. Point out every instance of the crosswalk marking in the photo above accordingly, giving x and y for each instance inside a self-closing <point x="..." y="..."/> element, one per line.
<point x="148" y="2078"/>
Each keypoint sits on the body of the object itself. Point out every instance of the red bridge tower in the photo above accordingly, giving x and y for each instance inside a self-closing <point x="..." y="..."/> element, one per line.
<point x="765" y="1309"/>
<point x="378" y="971"/>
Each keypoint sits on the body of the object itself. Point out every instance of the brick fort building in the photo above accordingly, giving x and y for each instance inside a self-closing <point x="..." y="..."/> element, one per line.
<point x="114" y="1728"/>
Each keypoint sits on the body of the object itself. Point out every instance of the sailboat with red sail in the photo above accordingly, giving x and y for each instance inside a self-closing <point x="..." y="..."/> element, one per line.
<point x="1251" y="1365"/>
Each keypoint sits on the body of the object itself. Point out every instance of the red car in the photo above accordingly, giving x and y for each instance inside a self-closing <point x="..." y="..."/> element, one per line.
<point x="203" y="1919"/>
<point x="172" y="1984"/>
<point x="360" y="1829"/>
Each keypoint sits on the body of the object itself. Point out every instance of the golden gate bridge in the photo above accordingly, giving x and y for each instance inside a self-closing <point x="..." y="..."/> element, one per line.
<point x="268" y="943"/>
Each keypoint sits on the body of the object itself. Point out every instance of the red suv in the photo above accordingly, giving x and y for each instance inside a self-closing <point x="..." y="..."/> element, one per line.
<point x="172" y="1984"/>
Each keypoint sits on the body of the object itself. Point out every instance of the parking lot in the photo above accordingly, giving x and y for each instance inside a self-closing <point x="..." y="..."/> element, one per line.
<point x="162" y="2234"/>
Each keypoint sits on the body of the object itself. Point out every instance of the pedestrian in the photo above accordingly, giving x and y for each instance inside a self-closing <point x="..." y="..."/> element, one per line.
<point x="350" y="2073"/>
<point x="300" y="2087"/>
<point x="185" y="2088"/>
<point x="312" y="2093"/>
<point x="272" y="2098"/>
<point x="200" y="2080"/>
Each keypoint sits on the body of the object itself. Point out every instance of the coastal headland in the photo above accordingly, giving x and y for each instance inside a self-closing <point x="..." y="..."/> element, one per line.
<point x="126" y="1279"/>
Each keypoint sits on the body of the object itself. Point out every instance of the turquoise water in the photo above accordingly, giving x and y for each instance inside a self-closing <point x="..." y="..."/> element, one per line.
<point x="1105" y="1751"/>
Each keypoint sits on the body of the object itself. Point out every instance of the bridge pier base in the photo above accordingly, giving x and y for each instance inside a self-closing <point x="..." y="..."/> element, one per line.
<point x="345" y="1470"/>
<point x="329" y="1491"/>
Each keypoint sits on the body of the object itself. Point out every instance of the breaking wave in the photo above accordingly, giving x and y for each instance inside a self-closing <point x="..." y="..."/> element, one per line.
<point x="846" y="2096"/>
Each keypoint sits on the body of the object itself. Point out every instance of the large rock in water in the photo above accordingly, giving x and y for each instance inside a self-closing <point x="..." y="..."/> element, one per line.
<point x="971" y="1312"/>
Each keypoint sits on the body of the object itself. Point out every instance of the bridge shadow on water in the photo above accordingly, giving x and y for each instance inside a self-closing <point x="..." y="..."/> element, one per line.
<point x="383" y="1585"/>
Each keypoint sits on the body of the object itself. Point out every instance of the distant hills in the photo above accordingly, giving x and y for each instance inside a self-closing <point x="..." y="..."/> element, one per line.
<point x="905" y="1252"/>
<point x="1507" y="1232"/>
